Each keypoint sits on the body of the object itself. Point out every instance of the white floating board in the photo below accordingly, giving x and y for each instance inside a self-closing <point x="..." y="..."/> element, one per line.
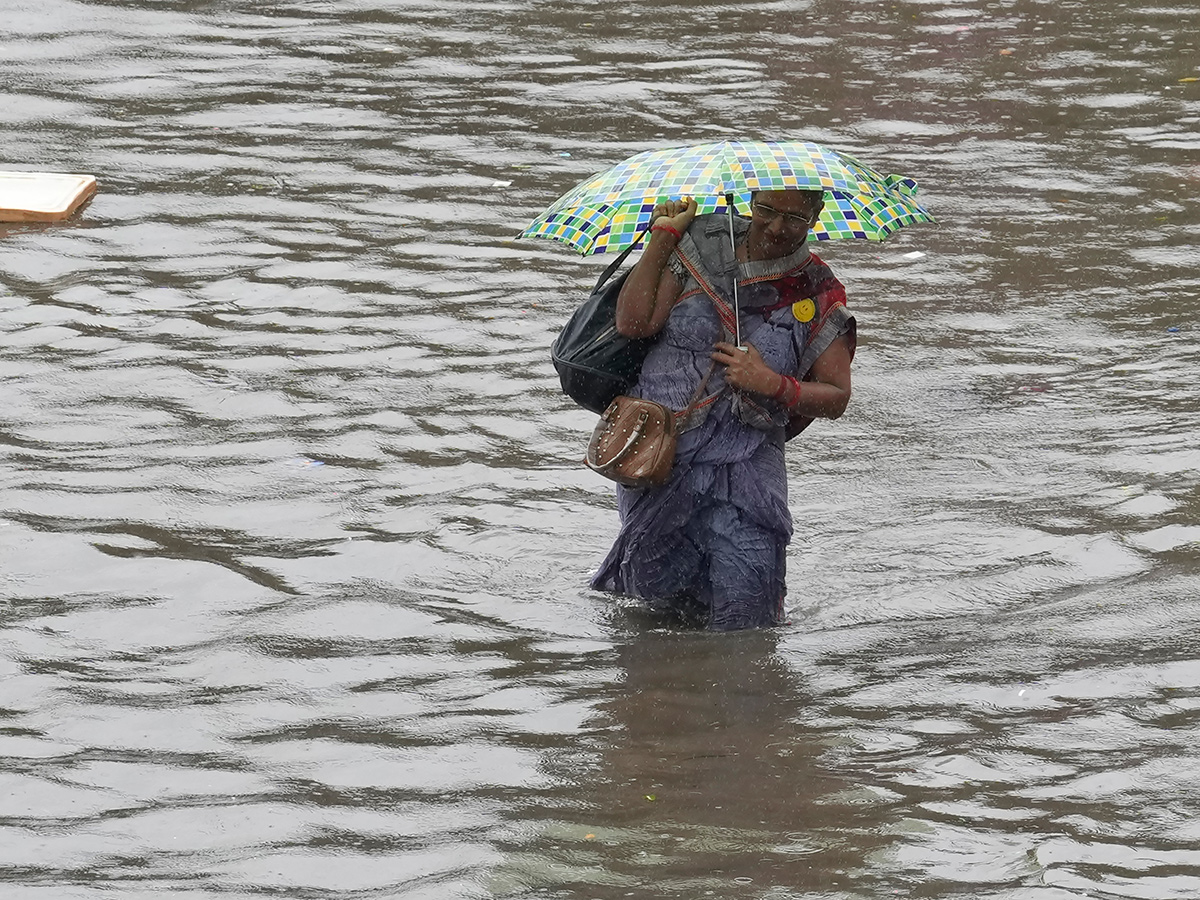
<point x="42" y="196"/>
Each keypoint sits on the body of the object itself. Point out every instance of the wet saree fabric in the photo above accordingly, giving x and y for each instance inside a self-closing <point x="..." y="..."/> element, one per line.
<point x="711" y="544"/>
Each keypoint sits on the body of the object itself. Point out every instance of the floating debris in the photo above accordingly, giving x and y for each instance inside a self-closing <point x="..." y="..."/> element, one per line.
<point x="42" y="196"/>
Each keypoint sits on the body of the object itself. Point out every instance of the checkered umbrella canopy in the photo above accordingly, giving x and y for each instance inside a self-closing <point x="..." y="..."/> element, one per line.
<point x="606" y="212"/>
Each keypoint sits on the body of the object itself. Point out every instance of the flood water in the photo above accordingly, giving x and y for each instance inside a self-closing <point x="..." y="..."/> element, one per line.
<point x="294" y="535"/>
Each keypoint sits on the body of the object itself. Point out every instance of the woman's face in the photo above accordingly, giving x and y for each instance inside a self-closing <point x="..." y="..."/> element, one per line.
<point x="780" y="221"/>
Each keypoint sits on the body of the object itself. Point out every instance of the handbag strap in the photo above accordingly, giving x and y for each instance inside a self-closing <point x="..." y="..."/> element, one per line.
<point x="616" y="263"/>
<point x="684" y="414"/>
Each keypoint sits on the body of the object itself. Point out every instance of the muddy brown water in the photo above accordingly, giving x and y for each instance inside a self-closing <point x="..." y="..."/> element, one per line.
<point x="294" y="538"/>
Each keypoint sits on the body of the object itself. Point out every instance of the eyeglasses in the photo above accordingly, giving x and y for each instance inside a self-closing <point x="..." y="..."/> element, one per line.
<point x="769" y="214"/>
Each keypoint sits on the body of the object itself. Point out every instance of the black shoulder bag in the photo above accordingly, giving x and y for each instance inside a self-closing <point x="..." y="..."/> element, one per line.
<point x="595" y="362"/>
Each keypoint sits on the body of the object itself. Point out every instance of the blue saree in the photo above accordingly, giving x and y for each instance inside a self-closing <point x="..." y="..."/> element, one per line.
<point x="710" y="545"/>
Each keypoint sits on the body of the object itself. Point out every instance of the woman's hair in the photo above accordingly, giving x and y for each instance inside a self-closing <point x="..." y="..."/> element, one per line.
<point x="814" y="198"/>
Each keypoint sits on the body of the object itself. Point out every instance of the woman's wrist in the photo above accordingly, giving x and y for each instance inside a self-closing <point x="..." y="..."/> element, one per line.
<point x="660" y="226"/>
<point x="788" y="391"/>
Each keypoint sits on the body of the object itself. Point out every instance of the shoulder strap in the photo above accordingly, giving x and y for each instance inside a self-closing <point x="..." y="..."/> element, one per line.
<point x="683" y="414"/>
<point x="696" y="252"/>
<point x="616" y="263"/>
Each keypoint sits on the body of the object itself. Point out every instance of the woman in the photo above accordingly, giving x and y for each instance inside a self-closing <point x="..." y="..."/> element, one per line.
<point x="710" y="545"/>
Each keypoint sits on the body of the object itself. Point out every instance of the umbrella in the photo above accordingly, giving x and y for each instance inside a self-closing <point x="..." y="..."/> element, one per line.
<point x="609" y="211"/>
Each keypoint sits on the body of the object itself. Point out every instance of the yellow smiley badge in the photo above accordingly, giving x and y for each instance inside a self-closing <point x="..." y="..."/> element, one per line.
<point x="804" y="310"/>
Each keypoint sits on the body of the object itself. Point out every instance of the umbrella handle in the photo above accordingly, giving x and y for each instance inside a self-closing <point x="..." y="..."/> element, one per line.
<point x="737" y="313"/>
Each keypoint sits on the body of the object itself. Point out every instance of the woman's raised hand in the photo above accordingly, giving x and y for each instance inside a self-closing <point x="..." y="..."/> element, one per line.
<point x="678" y="214"/>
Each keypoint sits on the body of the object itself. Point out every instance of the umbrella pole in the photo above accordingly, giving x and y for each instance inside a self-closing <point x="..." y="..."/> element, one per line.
<point x="737" y="313"/>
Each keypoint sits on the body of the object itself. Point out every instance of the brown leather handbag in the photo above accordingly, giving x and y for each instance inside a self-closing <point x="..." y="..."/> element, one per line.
<point x="634" y="441"/>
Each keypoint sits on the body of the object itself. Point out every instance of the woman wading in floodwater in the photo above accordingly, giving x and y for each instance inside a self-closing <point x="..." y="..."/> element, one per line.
<point x="710" y="545"/>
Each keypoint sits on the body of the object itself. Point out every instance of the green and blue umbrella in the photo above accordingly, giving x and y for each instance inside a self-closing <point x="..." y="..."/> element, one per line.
<point x="608" y="211"/>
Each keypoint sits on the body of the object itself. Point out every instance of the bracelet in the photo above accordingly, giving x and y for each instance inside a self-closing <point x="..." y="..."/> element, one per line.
<point x="788" y="392"/>
<point x="666" y="228"/>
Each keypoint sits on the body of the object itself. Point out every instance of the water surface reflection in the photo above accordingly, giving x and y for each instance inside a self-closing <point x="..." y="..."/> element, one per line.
<point x="294" y="537"/>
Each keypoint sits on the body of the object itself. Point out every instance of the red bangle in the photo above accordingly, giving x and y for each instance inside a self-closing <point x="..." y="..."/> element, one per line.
<point x="788" y="392"/>
<point x="667" y="228"/>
